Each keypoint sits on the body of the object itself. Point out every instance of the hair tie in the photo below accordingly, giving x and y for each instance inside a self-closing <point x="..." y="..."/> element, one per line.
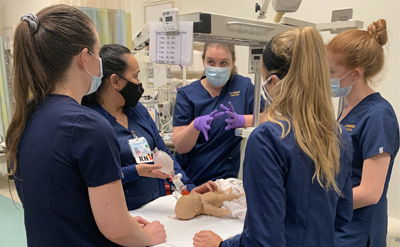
<point x="273" y="62"/>
<point x="32" y="20"/>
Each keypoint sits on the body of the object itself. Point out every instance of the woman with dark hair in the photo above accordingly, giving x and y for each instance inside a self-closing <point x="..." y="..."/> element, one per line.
<point x="117" y="100"/>
<point x="65" y="157"/>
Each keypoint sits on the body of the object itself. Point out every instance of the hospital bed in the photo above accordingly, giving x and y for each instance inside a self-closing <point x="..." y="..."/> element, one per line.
<point x="180" y="233"/>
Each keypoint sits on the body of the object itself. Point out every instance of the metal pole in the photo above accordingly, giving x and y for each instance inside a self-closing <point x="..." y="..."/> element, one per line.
<point x="257" y="99"/>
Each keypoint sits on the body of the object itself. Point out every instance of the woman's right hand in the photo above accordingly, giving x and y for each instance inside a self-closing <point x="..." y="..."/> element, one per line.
<point x="156" y="231"/>
<point x="203" y="123"/>
<point x="150" y="171"/>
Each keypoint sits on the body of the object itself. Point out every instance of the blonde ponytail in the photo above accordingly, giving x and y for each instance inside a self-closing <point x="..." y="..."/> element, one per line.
<point x="303" y="100"/>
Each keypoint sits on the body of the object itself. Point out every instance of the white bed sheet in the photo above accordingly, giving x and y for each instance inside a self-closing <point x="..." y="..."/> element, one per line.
<point x="180" y="232"/>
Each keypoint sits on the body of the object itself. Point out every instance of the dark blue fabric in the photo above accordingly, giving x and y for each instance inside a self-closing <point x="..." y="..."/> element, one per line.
<point x="139" y="190"/>
<point x="284" y="206"/>
<point x="219" y="157"/>
<point x="64" y="149"/>
<point x="373" y="127"/>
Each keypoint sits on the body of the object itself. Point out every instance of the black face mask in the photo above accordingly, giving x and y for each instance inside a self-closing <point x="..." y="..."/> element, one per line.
<point x="131" y="93"/>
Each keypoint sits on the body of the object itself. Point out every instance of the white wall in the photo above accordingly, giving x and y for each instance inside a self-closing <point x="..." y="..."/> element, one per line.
<point x="12" y="10"/>
<point x="310" y="10"/>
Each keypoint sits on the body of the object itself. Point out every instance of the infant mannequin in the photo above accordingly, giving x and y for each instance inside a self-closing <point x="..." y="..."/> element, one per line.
<point x="189" y="206"/>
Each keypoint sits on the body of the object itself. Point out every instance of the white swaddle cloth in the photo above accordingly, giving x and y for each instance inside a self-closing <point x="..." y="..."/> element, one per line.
<point x="237" y="207"/>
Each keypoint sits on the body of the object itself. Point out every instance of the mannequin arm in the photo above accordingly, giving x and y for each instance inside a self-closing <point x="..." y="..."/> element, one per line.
<point x="229" y="197"/>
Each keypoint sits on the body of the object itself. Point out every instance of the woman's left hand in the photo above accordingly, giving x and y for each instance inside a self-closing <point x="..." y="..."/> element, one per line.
<point x="235" y="120"/>
<point x="204" y="188"/>
<point x="206" y="239"/>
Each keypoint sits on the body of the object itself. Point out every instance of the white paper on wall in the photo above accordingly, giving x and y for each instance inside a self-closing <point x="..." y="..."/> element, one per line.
<point x="171" y="47"/>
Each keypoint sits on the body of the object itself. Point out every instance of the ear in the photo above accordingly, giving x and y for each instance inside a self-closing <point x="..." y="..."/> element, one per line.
<point x="274" y="80"/>
<point x="358" y="73"/>
<point x="233" y="62"/>
<point x="82" y="57"/>
<point x="116" y="82"/>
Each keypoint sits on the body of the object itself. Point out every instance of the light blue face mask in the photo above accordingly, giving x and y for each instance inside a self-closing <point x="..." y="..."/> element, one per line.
<point x="336" y="90"/>
<point x="217" y="77"/>
<point x="267" y="95"/>
<point x="96" y="80"/>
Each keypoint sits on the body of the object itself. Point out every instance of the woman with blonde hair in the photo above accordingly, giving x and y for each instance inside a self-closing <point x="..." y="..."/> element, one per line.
<point x="296" y="171"/>
<point x="357" y="57"/>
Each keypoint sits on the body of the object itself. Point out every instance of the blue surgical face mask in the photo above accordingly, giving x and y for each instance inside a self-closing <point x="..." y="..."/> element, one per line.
<point x="217" y="77"/>
<point x="336" y="90"/>
<point x="96" y="80"/>
<point x="267" y="95"/>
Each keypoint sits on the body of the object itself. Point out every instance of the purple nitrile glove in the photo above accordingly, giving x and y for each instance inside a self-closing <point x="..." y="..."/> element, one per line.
<point x="235" y="120"/>
<point x="203" y="123"/>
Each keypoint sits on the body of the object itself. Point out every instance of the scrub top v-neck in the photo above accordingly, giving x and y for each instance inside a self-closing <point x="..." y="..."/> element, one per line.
<point x="219" y="157"/>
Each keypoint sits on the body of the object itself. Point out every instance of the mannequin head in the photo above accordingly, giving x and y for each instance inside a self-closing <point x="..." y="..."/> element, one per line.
<point x="189" y="206"/>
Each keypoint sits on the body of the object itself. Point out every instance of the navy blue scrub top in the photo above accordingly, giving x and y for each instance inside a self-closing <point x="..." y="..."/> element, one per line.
<point x="284" y="206"/>
<point x="219" y="157"/>
<point x="374" y="129"/>
<point x="64" y="149"/>
<point x="139" y="190"/>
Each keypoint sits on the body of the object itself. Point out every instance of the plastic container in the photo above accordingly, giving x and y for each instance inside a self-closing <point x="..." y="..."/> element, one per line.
<point x="162" y="158"/>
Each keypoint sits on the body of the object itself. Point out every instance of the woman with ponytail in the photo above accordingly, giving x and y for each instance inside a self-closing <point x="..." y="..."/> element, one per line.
<point x="296" y="171"/>
<point x="64" y="156"/>
<point x="356" y="58"/>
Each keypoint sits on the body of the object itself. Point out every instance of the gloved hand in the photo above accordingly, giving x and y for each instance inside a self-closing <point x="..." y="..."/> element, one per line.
<point x="235" y="120"/>
<point x="203" y="123"/>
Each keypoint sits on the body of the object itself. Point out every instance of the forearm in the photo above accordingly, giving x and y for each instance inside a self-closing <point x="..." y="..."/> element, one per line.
<point x="185" y="139"/>
<point x="133" y="235"/>
<point x="373" y="179"/>
<point x="129" y="174"/>
<point x="112" y="217"/>
<point x="363" y="197"/>
<point x="249" y="119"/>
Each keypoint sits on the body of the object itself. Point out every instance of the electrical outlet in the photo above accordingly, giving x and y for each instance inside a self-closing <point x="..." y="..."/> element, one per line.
<point x="150" y="72"/>
<point x="169" y="74"/>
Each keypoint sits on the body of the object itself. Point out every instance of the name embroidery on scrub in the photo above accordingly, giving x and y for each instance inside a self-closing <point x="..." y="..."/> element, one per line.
<point x="349" y="127"/>
<point x="235" y="93"/>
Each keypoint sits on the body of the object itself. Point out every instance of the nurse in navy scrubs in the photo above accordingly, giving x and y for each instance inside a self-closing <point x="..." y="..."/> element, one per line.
<point x="206" y="114"/>
<point x="356" y="57"/>
<point x="117" y="100"/>
<point x="297" y="168"/>
<point x="64" y="156"/>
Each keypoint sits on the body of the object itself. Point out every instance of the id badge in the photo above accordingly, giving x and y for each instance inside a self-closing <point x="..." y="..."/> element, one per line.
<point x="140" y="150"/>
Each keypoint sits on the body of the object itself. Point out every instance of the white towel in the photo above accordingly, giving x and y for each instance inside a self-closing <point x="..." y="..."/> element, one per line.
<point x="237" y="207"/>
